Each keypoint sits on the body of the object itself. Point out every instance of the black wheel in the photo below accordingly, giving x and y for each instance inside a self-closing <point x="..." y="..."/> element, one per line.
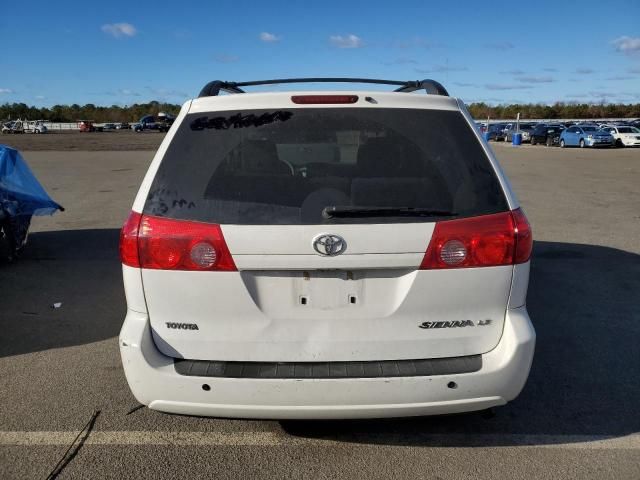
<point x="619" y="143"/>
<point x="582" y="143"/>
<point x="549" y="142"/>
<point x="533" y="140"/>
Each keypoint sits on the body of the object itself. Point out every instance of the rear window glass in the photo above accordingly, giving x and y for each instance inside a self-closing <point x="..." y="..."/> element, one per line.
<point x="267" y="167"/>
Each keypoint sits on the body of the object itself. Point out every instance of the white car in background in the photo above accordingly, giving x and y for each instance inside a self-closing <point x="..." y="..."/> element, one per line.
<point x="36" y="126"/>
<point x="325" y="254"/>
<point x="625" y="136"/>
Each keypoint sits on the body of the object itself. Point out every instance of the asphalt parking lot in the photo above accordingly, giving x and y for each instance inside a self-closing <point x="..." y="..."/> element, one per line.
<point x="578" y="416"/>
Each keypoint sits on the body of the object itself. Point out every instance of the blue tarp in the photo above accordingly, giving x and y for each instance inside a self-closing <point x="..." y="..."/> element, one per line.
<point x="20" y="192"/>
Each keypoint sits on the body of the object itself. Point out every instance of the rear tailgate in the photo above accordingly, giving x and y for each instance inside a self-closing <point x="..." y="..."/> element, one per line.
<point x="268" y="184"/>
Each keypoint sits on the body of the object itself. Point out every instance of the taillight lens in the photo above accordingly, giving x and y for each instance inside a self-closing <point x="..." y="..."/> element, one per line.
<point x="319" y="99"/>
<point x="524" y="237"/>
<point x="489" y="240"/>
<point x="167" y="244"/>
<point x="129" y="240"/>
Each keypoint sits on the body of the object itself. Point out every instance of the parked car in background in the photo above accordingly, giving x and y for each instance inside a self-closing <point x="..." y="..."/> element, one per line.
<point x="547" y="134"/>
<point x="635" y="123"/>
<point x="496" y="131"/>
<point x="585" y="136"/>
<point x="86" y="126"/>
<point x="14" y="126"/>
<point x="625" y="136"/>
<point x="161" y="122"/>
<point x="525" y="128"/>
<point x="21" y="197"/>
<point x="109" y="126"/>
<point x="36" y="126"/>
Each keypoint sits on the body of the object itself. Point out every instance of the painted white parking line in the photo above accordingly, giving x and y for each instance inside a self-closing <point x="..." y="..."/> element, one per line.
<point x="266" y="439"/>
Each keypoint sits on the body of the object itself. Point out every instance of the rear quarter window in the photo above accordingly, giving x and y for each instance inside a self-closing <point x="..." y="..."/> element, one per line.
<point x="286" y="166"/>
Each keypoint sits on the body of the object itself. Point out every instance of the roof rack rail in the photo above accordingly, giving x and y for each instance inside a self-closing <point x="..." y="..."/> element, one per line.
<point x="431" y="87"/>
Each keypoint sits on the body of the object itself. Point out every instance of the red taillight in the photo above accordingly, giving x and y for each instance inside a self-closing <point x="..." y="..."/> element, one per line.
<point x="489" y="240"/>
<point x="524" y="237"/>
<point x="129" y="240"/>
<point x="166" y="244"/>
<point x="316" y="99"/>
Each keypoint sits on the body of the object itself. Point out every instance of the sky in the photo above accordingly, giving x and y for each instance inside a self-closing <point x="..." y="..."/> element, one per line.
<point x="120" y="53"/>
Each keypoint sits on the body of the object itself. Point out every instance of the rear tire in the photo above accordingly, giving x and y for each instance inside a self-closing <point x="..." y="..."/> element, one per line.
<point x="533" y="140"/>
<point x="619" y="143"/>
<point x="549" y="142"/>
<point x="562" y="144"/>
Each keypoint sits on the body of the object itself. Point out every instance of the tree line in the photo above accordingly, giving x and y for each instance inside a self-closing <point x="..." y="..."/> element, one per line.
<point x="75" y="112"/>
<point x="480" y="111"/>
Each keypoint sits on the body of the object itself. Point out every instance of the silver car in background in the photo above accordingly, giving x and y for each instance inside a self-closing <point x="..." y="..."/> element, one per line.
<point x="525" y="128"/>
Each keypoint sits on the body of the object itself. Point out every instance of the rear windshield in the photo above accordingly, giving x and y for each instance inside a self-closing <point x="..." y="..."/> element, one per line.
<point x="290" y="167"/>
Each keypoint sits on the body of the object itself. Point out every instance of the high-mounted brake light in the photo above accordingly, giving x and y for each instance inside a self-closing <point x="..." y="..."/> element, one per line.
<point x="166" y="244"/>
<point x="318" y="99"/>
<point x="489" y="240"/>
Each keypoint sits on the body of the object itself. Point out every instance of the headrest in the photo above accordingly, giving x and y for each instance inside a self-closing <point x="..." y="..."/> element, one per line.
<point x="261" y="156"/>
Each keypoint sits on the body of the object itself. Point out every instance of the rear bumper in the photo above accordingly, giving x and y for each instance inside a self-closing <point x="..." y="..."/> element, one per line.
<point x="154" y="382"/>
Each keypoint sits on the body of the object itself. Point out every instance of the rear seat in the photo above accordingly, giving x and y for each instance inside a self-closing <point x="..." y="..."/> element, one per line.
<point x="389" y="172"/>
<point x="257" y="175"/>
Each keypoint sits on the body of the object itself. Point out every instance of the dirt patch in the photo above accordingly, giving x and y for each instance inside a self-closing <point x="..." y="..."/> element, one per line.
<point x="118" y="140"/>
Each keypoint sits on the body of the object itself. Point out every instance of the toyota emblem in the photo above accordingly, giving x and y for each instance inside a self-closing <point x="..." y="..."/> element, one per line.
<point x="329" y="245"/>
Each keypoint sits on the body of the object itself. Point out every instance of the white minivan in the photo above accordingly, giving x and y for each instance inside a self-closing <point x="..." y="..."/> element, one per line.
<point x="325" y="254"/>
